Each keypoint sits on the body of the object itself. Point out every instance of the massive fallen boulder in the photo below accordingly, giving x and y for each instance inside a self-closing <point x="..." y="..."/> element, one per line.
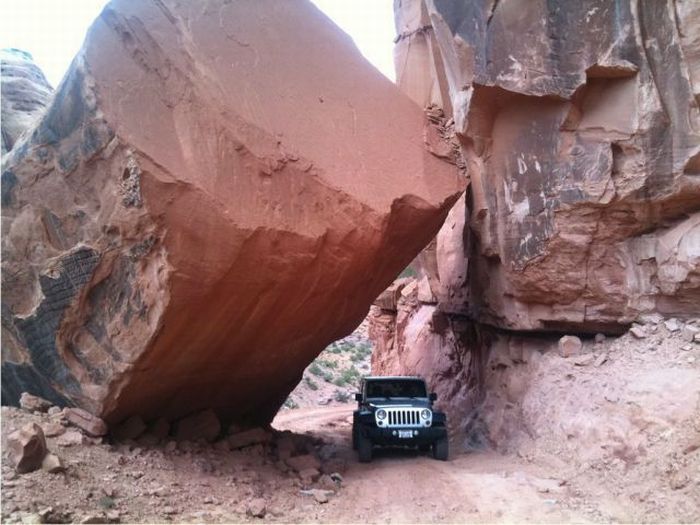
<point x="217" y="191"/>
<point x="25" y="92"/>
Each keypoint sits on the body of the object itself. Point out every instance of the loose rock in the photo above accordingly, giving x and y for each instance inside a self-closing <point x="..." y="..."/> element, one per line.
<point x="257" y="508"/>
<point x="84" y="420"/>
<point x="569" y="345"/>
<point x="246" y="438"/>
<point x="53" y="464"/>
<point x="71" y="438"/>
<point x="53" y="429"/>
<point x="304" y="462"/>
<point x="638" y="331"/>
<point x="26" y="448"/>
<point x="202" y="425"/>
<point x="33" y="403"/>
<point x="132" y="428"/>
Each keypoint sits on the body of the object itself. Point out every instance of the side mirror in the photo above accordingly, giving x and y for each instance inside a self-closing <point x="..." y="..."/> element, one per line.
<point x="358" y="397"/>
<point x="433" y="396"/>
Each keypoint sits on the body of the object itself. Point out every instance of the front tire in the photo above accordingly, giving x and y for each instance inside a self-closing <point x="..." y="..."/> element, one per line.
<point x="364" y="449"/>
<point x="355" y="436"/>
<point x="441" y="449"/>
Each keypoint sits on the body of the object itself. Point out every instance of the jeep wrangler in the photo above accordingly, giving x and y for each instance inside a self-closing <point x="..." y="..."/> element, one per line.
<point x="397" y="412"/>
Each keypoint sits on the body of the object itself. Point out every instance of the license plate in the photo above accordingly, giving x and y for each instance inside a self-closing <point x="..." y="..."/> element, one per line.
<point x="405" y="433"/>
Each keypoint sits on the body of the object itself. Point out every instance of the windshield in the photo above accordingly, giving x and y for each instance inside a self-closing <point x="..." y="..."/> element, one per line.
<point x="396" y="388"/>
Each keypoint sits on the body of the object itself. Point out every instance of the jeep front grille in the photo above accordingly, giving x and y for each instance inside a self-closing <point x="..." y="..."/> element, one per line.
<point x="405" y="417"/>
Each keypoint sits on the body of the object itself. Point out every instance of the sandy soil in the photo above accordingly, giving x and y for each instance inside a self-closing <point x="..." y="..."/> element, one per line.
<point x="613" y="440"/>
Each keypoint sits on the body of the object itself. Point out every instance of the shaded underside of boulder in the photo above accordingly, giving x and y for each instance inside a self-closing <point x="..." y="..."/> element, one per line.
<point x="217" y="191"/>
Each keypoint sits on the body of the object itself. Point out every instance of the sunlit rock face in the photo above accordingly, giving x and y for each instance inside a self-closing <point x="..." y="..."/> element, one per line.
<point x="579" y="123"/>
<point x="216" y="192"/>
<point x="24" y="93"/>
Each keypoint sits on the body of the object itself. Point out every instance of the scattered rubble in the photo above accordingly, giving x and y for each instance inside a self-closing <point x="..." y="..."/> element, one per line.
<point x="34" y="403"/>
<point x="84" y="420"/>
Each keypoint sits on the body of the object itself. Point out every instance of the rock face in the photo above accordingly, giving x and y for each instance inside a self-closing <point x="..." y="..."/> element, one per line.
<point x="211" y="198"/>
<point x="25" y="94"/>
<point x="579" y="125"/>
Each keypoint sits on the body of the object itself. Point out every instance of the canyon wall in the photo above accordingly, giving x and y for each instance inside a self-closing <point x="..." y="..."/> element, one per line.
<point x="25" y="92"/>
<point x="578" y="123"/>
<point x="210" y="199"/>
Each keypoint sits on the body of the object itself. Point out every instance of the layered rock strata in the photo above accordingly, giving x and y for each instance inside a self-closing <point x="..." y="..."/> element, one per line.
<point x="24" y="94"/>
<point x="211" y="198"/>
<point x="579" y="125"/>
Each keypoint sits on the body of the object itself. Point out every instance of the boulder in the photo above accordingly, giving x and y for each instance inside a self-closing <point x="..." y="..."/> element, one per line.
<point x="53" y="429"/>
<point x="84" y="420"/>
<point x="690" y="332"/>
<point x="638" y="332"/>
<point x="32" y="403"/>
<point x="176" y="204"/>
<point x="303" y="462"/>
<point x="321" y="496"/>
<point x="131" y="428"/>
<point x="246" y="438"/>
<point x="672" y="325"/>
<point x="569" y="345"/>
<point x="309" y="475"/>
<point x="53" y="464"/>
<point x="257" y="507"/>
<point x="26" y="448"/>
<point x="25" y="95"/>
<point x="71" y="438"/>
<point x="160" y="428"/>
<point x="202" y="425"/>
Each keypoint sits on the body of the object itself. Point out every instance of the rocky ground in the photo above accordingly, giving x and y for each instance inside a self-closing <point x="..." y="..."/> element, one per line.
<point x="639" y="461"/>
<point x="333" y="377"/>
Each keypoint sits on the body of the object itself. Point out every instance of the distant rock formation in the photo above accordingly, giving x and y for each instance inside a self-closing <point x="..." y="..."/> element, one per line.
<point x="25" y="94"/>
<point x="214" y="195"/>
<point x="580" y="129"/>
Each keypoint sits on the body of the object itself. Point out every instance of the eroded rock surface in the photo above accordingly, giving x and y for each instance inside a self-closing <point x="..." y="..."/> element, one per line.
<point x="211" y="198"/>
<point x="579" y="124"/>
<point x="25" y="94"/>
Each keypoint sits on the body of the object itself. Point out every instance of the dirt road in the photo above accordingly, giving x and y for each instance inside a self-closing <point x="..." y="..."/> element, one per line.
<point x="405" y="486"/>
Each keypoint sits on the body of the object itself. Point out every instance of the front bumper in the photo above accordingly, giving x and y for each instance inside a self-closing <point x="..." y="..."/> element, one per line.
<point x="390" y="437"/>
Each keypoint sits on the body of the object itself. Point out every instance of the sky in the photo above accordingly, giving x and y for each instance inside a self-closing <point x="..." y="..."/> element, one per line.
<point x="53" y="30"/>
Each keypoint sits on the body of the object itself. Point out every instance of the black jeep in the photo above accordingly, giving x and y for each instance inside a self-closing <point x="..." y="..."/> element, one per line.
<point x="397" y="412"/>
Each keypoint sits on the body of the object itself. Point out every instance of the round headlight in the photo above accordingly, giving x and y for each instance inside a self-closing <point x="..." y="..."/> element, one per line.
<point x="381" y="413"/>
<point x="425" y="414"/>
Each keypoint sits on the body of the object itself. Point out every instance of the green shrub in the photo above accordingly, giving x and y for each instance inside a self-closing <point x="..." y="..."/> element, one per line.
<point x="341" y="396"/>
<point x="327" y="363"/>
<point x="349" y="375"/>
<point x="334" y="349"/>
<point x="311" y="383"/>
<point x="290" y="403"/>
<point x="316" y="370"/>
